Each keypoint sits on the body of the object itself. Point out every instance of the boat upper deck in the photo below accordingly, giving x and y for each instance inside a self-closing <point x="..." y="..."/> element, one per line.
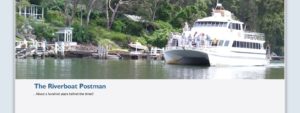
<point x="254" y="36"/>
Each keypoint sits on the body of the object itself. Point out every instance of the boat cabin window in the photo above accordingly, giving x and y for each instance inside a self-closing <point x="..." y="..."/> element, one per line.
<point x="210" y="24"/>
<point x="248" y="45"/>
<point x="220" y="43"/>
<point x="174" y="42"/>
<point x="235" y="26"/>
<point x="226" y="43"/>
<point x="242" y="44"/>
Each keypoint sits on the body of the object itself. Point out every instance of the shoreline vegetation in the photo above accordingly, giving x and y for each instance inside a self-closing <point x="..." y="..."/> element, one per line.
<point x="114" y="24"/>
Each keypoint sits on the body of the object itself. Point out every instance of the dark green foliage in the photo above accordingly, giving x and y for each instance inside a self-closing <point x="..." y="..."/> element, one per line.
<point x="53" y="4"/>
<point x="160" y="18"/>
<point x="164" y="11"/>
<point x="95" y="34"/>
<point x="79" y="33"/>
<point x="119" y="26"/>
<point x="37" y="2"/>
<point x="159" y="38"/>
<point x="43" y="31"/>
<point x="23" y="3"/>
<point x="133" y="28"/>
<point x="56" y="18"/>
<point x="20" y="20"/>
<point x="271" y="22"/>
<point x="188" y="14"/>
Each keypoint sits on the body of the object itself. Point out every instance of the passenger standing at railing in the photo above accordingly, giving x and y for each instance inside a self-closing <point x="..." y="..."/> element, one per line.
<point x="202" y="41"/>
<point x="198" y="40"/>
<point x="179" y="40"/>
<point x="183" y="38"/>
<point x="187" y="40"/>
<point x="194" y="39"/>
<point x="190" y="40"/>
<point x="207" y="40"/>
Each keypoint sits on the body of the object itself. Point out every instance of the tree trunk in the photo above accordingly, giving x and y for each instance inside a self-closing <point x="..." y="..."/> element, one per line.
<point x="107" y="14"/>
<point x="75" y="3"/>
<point x="90" y="8"/>
<point x="114" y="12"/>
<point x="113" y="16"/>
<point x="154" y="9"/>
<point x="66" y="13"/>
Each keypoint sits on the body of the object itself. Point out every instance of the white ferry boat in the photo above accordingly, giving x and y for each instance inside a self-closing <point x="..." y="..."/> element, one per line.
<point x="217" y="40"/>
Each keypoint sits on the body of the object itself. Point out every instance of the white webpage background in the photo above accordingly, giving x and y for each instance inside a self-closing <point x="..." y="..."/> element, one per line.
<point x="157" y="96"/>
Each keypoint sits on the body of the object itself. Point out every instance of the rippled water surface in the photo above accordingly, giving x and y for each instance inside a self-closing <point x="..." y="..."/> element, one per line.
<point x="50" y="68"/>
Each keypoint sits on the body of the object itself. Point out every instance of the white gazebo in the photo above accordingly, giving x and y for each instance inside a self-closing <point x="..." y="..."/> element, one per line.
<point x="65" y="35"/>
<point x="34" y="11"/>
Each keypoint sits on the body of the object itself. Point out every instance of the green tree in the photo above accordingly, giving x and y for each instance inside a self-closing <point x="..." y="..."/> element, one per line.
<point x="271" y="22"/>
<point x="164" y="11"/>
<point x="56" y="18"/>
<point x="190" y="14"/>
<point x="43" y="31"/>
<point x="159" y="38"/>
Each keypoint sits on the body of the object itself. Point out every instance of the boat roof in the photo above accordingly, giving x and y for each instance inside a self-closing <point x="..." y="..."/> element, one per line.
<point x="219" y="14"/>
<point x="218" y="19"/>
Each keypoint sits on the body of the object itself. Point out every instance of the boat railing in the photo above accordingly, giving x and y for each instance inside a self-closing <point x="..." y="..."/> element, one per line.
<point x="189" y="47"/>
<point x="177" y="41"/>
<point x="202" y="44"/>
<point x="254" y="36"/>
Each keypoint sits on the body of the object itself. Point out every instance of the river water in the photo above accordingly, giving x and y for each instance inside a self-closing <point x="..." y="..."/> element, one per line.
<point x="77" y="68"/>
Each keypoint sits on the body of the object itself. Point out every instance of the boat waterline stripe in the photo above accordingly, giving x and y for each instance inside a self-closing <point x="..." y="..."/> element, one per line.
<point x="239" y="57"/>
<point x="229" y="56"/>
<point x="248" y="52"/>
<point x="231" y="51"/>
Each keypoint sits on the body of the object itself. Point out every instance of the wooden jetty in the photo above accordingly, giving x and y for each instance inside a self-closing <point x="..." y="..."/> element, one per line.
<point x="277" y="58"/>
<point x="133" y="56"/>
<point x="40" y="49"/>
<point x="23" y="49"/>
<point x="157" y="53"/>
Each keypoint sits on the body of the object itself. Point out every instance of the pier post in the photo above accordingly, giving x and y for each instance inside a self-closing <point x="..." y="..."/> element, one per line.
<point x="42" y="13"/>
<point x="105" y="52"/>
<point x="20" y="10"/>
<point x="99" y="52"/>
<point x="59" y="49"/>
<point x="55" y="49"/>
<point x="62" y="47"/>
<point x="149" y="55"/>
<point x="44" y="49"/>
<point x="25" y="12"/>
<point x="35" y="12"/>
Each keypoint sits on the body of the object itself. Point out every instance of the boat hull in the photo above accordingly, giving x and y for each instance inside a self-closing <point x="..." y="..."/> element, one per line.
<point x="206" y="58"/>
<point x="186" y="57"/>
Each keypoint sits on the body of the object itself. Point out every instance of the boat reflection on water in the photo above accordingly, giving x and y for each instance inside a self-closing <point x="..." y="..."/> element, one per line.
<point x="247" y="72"/>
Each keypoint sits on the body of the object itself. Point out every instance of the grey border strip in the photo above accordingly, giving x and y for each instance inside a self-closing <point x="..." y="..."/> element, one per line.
<point x="285" y="56"/>
<point x="7" y="63"/>
<point x="14" y="60"/>
<point x="293" y="55"/>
